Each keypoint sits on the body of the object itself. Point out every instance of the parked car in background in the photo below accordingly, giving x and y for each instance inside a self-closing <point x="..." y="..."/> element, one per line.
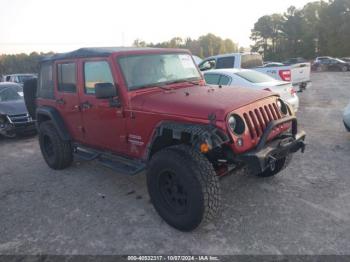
<point x="298" y="74"/>
<point x="14" y="117"/>
<point x="331" y="64"/>
<point x="295" y="60"/>
<point x="320" y="58"/>
<point x="18" y="78"/>
<point x="254" y="80"/>
<point x="346" y="117"/>
<point x="346" y="59"/>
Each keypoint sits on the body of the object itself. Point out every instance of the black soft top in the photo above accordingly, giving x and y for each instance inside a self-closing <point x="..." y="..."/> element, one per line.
<point x="93" y="52"/>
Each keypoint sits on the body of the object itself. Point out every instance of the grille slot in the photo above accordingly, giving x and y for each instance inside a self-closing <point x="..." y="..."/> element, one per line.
<point x="19" y="119"/>
<point x="258" y="119"/>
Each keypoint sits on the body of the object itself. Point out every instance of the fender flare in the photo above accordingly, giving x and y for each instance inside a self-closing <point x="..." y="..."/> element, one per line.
<point x="195" y="133"/>
<point x="54" y="116"/>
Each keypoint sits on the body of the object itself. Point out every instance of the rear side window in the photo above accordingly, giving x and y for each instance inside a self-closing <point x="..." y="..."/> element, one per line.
<point x="251" y="61"/>
<point x="224" y="80"/>
<point x="225" y="62"/>
<point x="96" y="72"/>
<point x="66" y="76"/>
<point x="212" y="79"/>
<point x="45" y="83"/>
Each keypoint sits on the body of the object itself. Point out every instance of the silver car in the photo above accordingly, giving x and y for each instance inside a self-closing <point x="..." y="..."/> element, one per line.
<point x="254" y="80"/>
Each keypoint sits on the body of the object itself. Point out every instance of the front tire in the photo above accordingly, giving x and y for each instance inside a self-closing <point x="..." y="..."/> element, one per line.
<point x="57" y="153"/>
<point x="183" y="187"/>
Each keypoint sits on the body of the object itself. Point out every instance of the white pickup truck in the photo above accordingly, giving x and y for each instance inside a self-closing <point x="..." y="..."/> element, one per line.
<point x="298" y="74"/>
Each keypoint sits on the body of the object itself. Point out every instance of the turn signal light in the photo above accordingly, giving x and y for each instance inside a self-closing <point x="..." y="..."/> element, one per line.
<point x="204" y="148"/>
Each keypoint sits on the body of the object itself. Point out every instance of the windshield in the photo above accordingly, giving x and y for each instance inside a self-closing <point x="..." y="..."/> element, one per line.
<point x="142" y="71"/>
<point x="10" y="94"/>
<point x="255" y="77"/>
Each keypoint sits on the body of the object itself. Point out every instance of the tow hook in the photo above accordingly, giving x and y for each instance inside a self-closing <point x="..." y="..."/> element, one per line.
<point x="272" y="162"/>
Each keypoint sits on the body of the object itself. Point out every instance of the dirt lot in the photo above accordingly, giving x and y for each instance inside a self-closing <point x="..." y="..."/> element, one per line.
<point x="88" y="209"/>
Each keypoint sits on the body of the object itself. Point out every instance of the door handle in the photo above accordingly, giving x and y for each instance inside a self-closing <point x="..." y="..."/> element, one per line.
<point x="60" y="101"/>
<point x="86" y="105"/>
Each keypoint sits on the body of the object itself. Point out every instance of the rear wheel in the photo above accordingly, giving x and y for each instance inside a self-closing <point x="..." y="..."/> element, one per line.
<point x="57" y="153"/>
<point x="183" y="187"/>
<point x="344" y="68"/>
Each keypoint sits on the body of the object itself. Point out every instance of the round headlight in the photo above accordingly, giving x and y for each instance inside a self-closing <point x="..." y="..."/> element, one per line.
<point x="236" y="124"/>
<point x="282" y="106"/>
<point x="232" y="122"/>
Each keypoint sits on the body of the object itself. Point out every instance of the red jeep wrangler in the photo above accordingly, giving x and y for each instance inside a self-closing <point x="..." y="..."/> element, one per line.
<point x="149" y="109"/>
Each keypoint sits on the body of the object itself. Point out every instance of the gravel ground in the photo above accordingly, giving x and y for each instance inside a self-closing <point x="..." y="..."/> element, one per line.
<point x="89" y="209"/>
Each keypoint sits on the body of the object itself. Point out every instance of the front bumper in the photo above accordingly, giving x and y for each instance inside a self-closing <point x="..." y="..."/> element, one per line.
<point x="259" y="159"/>
<point x="10" y="129"/>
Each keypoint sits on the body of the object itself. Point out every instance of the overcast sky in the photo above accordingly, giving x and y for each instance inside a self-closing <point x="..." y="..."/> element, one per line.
<point x="63" y="25"/>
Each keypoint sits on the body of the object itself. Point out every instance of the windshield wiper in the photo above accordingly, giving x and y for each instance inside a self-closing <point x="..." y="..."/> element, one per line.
<point x="160" y="85"/>
<point x="182" y="81"/>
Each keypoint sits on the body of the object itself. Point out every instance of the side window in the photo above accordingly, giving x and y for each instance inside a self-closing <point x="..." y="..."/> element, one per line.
<point x="45" y="83"/>
<point x="66" y="76"/>
<point x="96" y="72"/>
<point x="224" y="80"/>
<point x="212" y="79"/>
<point x="207" y="65"/>
<point x="225" y="62"/>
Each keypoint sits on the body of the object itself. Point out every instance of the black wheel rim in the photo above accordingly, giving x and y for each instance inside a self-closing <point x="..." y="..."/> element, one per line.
<point x="48" y="146"/>
<point x="173" y="192"/>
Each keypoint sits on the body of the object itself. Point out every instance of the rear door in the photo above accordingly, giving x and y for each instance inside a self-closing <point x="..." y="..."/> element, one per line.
<point x="67" y="98"/>
<point x="104" y="124"/>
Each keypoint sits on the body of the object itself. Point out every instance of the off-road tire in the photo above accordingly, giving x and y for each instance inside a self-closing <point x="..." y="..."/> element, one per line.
<point x="57" y="153"/>
<point x="279" y="166"/>
<point x="29" y="93"/>
<point x="195" y="177"/>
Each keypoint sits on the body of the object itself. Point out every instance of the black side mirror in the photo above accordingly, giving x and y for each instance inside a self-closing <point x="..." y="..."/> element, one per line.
<point x="105" y="90"/>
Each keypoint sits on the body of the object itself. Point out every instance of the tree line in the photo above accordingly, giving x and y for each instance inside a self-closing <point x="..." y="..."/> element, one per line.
<point x="21" y="63"/>
<point x="319" y="28"/>
<point x="203" y="46"/>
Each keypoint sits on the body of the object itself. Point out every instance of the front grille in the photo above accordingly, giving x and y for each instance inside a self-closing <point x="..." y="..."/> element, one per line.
<point x="258" y="119"/>
<point x="19" y="119"/>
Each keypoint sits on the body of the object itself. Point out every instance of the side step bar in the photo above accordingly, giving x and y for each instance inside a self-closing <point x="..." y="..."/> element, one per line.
<point x="119" y="164"/>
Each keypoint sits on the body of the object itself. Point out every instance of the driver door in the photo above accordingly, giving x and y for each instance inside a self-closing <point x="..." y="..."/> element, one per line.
<point x="104" y="124"/>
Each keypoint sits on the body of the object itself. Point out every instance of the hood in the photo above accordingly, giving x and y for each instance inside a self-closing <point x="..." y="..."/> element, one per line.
<point x="197" y="101"/>
<point x="15" y="107"/>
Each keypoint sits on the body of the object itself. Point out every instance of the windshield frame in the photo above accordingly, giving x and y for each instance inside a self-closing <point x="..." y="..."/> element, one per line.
<point x="158" y="84"/>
